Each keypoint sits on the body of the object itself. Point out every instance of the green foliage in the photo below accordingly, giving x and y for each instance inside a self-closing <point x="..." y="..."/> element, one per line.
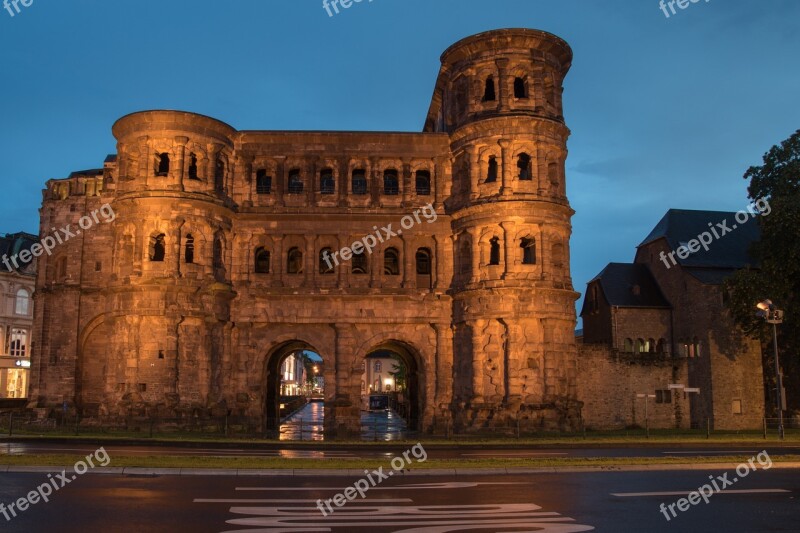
<point x="778" y="255"/>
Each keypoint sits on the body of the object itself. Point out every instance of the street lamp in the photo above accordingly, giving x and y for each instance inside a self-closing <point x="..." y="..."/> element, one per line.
<point x="646" y="419"/>
<point x="773" y="315"/>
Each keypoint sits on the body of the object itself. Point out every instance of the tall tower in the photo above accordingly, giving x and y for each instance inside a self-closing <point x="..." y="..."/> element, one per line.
<point x="498" y="96"/>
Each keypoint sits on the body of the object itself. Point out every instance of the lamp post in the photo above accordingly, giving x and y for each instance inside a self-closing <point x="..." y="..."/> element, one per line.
<point x="646" y="419"/>
<point x="773" y="315"/>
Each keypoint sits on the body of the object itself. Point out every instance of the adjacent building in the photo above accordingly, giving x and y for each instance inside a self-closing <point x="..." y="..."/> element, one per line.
<point x="17" y="283"/>
<point x="658" y="322"/>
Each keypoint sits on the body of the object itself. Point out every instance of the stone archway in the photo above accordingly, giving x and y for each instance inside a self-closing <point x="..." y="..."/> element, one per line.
<point x="272" y="383"/>
<point x="413" y="392"/>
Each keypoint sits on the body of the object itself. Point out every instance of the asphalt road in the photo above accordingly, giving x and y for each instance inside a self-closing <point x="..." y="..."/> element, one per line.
<point x="390" y="450"/>
<point x="764" y="501"/>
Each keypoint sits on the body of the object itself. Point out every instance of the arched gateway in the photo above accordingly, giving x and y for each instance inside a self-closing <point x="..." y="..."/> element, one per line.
<point x="210" y="254"/>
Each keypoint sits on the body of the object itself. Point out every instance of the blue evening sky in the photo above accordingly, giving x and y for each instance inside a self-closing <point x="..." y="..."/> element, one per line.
<point x="664" y="112"/>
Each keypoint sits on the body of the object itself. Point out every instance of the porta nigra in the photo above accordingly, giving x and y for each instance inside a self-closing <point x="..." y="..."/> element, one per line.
<point x="213" y="270"/>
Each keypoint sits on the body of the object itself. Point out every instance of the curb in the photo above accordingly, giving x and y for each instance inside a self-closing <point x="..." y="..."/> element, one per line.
<point x="449" y="472"/>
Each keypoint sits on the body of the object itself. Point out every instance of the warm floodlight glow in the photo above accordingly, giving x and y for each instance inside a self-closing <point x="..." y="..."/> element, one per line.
<point x="766" y="305"/>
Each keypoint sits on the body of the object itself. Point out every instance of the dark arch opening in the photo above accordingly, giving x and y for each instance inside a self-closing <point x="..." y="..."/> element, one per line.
<point x="391" y="396"/>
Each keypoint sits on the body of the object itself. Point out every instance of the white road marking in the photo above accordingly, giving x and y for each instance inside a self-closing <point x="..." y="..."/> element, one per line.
<point x="512" y="454"/>
<point x="290" y="500"/>
<point x="701" y="452"/>
<point x="685" y="492"/>
<point x="414" y="486"/>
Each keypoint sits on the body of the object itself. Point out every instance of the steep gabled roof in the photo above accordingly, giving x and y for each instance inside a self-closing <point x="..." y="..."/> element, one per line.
<point x="729" y="251"/>
<point x="620" y="280"/>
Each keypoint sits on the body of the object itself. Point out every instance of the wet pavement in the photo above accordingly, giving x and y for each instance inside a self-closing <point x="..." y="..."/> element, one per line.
<point x="307" y="424"/>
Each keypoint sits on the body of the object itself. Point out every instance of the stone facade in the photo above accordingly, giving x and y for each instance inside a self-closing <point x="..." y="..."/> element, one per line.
<point x="214" y="268"/>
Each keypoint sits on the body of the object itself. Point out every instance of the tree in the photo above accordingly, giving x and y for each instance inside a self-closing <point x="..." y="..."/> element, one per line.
<point x="777" y="274"/>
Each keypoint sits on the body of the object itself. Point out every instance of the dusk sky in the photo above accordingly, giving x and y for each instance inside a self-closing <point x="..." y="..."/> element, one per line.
<point x="664" y="112"/>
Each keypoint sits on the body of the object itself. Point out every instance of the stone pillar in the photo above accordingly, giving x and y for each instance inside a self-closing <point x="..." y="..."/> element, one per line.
<point x="309" y="262"/>
<point x="375" y="182"/>
<point x="475" y="269"/>
<point x="181" y="166"/>
<point x="438" y="182"/>
<point x="312" y="180"/>
<point x="277" y="259"/>
<point x="280" y="181"/>
<point x="474" y="171"/>
<point x="343" y="269"/>
<point x="409" y="273"/>
<point x="477" y="326"/>
<point x="346" y="409"/>
<point x="444" y="366"/>
<point x="503" y="85"/>
<point x="508" y="167"/>
<point x="145" y="161"/>
<point x="439" y="261"/>
<point x="406" y="182"/>
<point x="509" y="229"/>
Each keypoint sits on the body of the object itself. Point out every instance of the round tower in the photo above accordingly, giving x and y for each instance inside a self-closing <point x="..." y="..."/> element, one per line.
<point x="499" y="98"/>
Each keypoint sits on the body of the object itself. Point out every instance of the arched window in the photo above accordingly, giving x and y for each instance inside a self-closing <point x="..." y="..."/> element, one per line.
<point x="18" y="345"/>
<point x="188" y="253"/>
<point x="391" y="185"/>
<point x="262" y="258"/>
<point x="263" y="182"/>
<point x="628" y="346"/>
<point x="219" y="175"/>
<point x="520" y="89"/>
<point x="22" y="306"/>
<point x="662" y="346"/>
<point x="558" y="255"/>
<point x="640" y="347"/>
<point x="378" y="366"/>
<point x="695" y="350"/>
<point x="327" y="184"/>
<point x="491" y="173"/>
<point x="193" y="167"/>
<point x="423" y="262"/>
<point x="326" y="261"/>
<point x="158" y="248"/>
<point x="651" y="345"/>
<point x="294" y="261"/>
<point x="391" y="262"/>
<point x="488" y="91"/>
<point x="494" y="251"/>
<point x="359" y="181"/>
<point x="163" y="165"/>
<point x="464" y="258"/>
<point x="524" y="166"/>
<point x="359" y="263"/>
<point x="552" y="175"/>
<point x="295" y="182"/>
<point x="528" y="245"/>
<point x="423" y="183"/>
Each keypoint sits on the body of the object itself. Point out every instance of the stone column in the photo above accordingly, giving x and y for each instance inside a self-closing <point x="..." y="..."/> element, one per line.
<point x="280" y="180"/>
<point x="439" y="260"/>
<point x="375" y="182"/>
<point x="509" y="228"/>
<point x="313" y="179"/>
<point x="406" y="182"/>
<point x="503" y="85"/>
<point x="346" y="409"/>
<point x="444" y="365"/>
<point x="181" y="166"/>
<point x="476" y="326"/>
<point x="438" y="181"/>
<point x="343" y="269"/>
<point x="508" y="167"/>
<point x="310" y="262"/>
<point x="145" y="160"/>
<point x="277" y="259"/>
<point x="476" y="255"/>
<point x="474" y="171"/>
<point x="409" y="272"/>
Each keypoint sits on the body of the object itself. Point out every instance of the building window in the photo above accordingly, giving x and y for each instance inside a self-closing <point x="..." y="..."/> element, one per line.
<point x="663" y="396"/>
<point x="736" y="407"/>
<point x="262" y="257"/>
<point x="295" y="182"/>
<point x="423" y="183"/>
<point x="162" y="169"/>
<point x="263" y="182"/>
<point x="694" y="350"/>
<point x="641" y="347"/>
<point x="18" y="347"/>
<point x="378" y="366"/>
<point x="359" y="263"/>
<point x="326" y="261"/>
<point x="528" y="245"/>
<point x="391" y="262"/>
<point x="158" y="248"/>
<point x="424" y="262"/>
<point x="294" y="261"/>
<point x="193" y="167"/>
<point x="465" y="258"/>
<point x="628" y="347"/>
<point x="327" y="184"/>
<point x="359" y="182"/>
<point x="491" y="174"/>
<point x="524" y="166"/>
<point x="61" y="268"/>
<point x="488" y="90"/>
<point x="188" y="253"/>
<point x="22" y="306"/>
<point x="391" y="185"/>
<point x="651" y="346"/>
<point x="494" y="251"/>
<point x="520" y="90"/>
